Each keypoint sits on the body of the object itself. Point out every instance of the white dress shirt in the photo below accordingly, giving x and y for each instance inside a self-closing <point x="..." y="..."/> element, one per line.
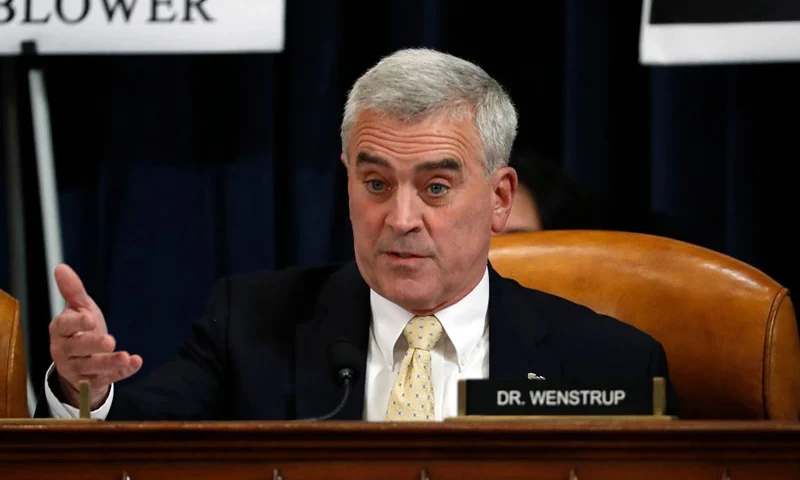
<point x="461" y="353"/>
<point x="64" y="410"/>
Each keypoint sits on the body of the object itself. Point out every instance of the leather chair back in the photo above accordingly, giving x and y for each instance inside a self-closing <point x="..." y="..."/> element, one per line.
<point x="13" y="371"/>
<point x="729" y="330"/>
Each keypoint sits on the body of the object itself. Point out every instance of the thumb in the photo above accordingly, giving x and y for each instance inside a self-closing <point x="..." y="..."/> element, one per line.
<point x="71" y="288"/>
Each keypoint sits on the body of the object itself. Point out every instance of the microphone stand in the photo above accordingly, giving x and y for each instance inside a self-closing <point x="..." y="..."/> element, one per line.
<point x="346" y="376"/>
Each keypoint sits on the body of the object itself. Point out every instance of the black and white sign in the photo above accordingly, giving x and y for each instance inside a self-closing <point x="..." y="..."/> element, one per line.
<point x="142" y="26"/>
<point x="498" y="397"/>
<point x="719" y="31"/>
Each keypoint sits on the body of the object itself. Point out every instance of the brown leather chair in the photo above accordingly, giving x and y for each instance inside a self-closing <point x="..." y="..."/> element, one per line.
<point x="13" y="371"/>
<point x="729" y="330"/>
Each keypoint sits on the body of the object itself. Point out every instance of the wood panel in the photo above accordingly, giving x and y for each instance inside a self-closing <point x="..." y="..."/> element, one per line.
<point x="458" y="451"/>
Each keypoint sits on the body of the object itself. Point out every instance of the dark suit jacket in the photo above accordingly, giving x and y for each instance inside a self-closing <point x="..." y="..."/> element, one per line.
<point x="259" y="353"/>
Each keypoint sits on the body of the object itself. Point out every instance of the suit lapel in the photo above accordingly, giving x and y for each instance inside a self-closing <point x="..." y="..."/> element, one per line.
<point x="343" y="312"/>
<point x="517" y="333"/>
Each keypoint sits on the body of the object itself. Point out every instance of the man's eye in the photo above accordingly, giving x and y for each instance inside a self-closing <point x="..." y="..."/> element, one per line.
<point x="437" y="189"/>
<point x="375" y="186"/>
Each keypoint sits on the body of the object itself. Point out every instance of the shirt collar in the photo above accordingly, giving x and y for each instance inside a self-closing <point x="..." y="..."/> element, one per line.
<point x="463" y="322"/>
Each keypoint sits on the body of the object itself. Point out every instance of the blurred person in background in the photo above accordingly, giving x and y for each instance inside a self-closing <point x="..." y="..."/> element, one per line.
<point x="547" y="199"/>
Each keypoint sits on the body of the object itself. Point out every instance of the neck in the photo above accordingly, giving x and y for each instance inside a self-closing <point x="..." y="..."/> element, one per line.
<point x="469" y="287"/>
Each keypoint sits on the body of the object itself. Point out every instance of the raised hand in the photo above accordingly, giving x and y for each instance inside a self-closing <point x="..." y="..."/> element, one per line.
<point x="81" y="347"/>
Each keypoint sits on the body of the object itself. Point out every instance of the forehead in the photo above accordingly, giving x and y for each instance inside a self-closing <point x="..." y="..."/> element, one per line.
<point x="434" y="137"/>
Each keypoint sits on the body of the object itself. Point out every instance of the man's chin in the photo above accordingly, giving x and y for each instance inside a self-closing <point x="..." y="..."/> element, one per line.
<point x="412" y="273"/>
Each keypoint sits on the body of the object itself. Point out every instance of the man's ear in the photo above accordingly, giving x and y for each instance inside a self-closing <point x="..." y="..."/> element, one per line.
<point x="343" y="158"/>
<point x="504" y="186"/>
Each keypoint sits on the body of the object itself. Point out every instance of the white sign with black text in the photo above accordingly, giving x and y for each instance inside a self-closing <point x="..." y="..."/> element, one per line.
<point x="675" y="32"/>
<point x="142" y="26"/>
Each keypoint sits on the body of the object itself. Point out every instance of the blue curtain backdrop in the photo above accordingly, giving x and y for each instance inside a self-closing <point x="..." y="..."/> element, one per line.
<point x="175" y="170"/>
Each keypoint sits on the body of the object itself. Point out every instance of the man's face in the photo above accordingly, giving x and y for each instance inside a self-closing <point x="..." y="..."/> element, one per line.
<point x="422" y="209"/>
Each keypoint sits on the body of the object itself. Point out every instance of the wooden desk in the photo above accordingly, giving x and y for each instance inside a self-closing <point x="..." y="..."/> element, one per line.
<point x="459" y="451"/>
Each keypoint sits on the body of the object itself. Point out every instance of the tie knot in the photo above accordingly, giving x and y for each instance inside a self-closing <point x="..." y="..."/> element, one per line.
<point x="423" y="332"/>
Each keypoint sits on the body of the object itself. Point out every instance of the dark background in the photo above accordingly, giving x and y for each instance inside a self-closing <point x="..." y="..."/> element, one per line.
<point x="175" y="170"/>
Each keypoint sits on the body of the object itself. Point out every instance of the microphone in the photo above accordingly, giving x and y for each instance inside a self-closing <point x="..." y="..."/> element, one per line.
<point x="344" y="359"/>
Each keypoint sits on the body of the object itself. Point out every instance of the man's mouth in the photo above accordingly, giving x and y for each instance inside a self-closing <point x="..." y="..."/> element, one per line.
<point x="404" y="255"/>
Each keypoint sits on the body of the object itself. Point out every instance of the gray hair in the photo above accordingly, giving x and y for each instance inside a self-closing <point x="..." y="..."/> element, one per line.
<point x="413" y="84"/>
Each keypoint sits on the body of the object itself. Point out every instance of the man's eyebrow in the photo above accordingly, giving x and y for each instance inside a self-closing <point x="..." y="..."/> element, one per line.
<point x="444" y="164"/>
<point x="365" y="158"/>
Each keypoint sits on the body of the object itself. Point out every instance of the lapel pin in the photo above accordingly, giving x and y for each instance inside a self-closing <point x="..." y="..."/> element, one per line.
<point x="533" y="376"/>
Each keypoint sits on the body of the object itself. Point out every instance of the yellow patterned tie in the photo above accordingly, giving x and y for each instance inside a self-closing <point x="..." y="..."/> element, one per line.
<point x="412" y="395"/>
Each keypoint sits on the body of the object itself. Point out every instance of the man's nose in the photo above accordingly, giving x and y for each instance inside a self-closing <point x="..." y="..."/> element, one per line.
<point x="405" y="214"/>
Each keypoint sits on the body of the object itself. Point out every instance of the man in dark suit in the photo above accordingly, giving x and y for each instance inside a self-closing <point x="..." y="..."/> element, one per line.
<point x="426" y="139"/>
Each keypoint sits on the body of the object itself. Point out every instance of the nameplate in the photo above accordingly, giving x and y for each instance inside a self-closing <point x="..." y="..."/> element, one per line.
<point x="502" y="397"/>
